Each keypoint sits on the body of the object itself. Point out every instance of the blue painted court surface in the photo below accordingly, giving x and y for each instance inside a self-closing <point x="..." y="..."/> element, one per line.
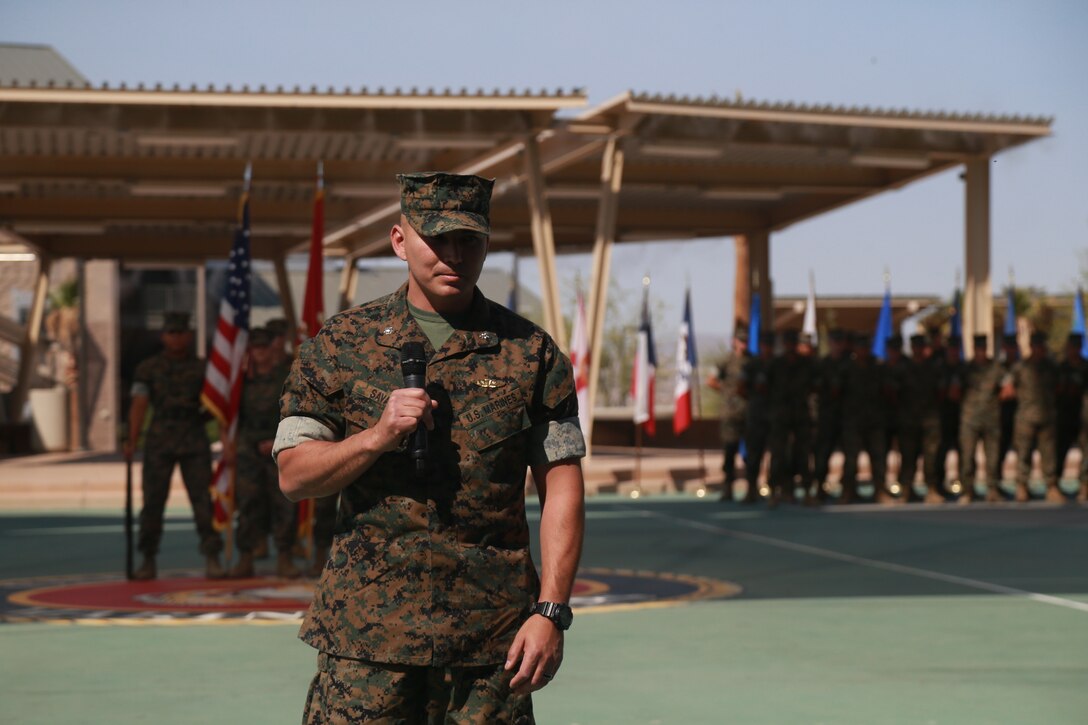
<point x="863" y="614"/>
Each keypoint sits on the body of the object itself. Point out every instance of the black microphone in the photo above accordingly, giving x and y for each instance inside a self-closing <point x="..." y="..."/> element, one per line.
<point x="413" y="365"/>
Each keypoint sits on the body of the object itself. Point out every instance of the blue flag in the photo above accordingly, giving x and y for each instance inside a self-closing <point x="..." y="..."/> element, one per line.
<point x="883" y="326"/>
<point x="955" y="327"/>
<point x="1010" y="313"/>
<point x="753" y="326"/>
<point x="1078" y="319"/>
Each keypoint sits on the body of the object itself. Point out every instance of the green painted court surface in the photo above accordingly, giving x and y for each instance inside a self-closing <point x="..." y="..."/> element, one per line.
<point x="847" y="615"/>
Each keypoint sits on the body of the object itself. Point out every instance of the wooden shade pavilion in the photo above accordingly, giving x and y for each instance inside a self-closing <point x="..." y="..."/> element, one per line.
<point x="154" y="174"/>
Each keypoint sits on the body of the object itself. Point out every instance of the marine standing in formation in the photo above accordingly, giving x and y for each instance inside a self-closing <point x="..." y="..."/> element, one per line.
<point x="980" y="421"/>
<point x="1034" y="381"/>
<point x="729" y="381"/>
<point x="831" y="387"/>
<point x="757" y="426"/>
<point x="257" y="490"/>
<point x="864" y="421"/>
<point x="170" y="384"/>
<point x="430" y="608"/>
<point x="791" y="381"/>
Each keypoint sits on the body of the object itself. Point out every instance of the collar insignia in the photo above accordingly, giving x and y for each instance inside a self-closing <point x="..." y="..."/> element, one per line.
<point x="488" y="383"/>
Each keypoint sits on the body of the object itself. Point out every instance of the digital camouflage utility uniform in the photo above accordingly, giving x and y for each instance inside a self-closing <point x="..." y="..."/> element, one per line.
<point x="176" y="435"/>
<point x="258" y="489"/>
<point x="864" y="424"/>
<point x="830" y="386"/>
<point x="919" y="424"/>
<point x="1072" y="381"/>
<point x="430" y="571"/>
<point x="1035" y="382"/>
<point x="791" y="382"/>
<point x="980" y="420"/>
<point x="733" y="414"/>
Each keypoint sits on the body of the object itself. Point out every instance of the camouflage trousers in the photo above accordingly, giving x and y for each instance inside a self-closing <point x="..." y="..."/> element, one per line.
<point x="346" y="691"/>
<point x="1026" y="437"/>
<point x="196" y="472"/>
<point x="261" y="503"/>
<point x="920" y="439"/>
<point x="868" y="438"/>
<point x="989" y="433"/>
<point x="789" y="454"/>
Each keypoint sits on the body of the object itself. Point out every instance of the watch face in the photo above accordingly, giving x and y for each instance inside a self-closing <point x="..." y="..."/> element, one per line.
<point x="564" y="616"/>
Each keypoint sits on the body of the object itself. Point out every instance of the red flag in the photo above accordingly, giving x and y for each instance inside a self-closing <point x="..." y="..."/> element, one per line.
<point x="579" y="360"/>
<point x="313" y="312"/>
<point x="222" y="391"/>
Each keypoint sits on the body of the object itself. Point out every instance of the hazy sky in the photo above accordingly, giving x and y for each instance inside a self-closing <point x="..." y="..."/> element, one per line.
<point x="986" y="56"/>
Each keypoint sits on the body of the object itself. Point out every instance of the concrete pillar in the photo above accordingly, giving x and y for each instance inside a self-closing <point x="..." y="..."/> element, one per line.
<point x="978" y="314"/>
<point x="28" y="351"/>
<point x="753" y="274"/>
<point x="101" y="376"/>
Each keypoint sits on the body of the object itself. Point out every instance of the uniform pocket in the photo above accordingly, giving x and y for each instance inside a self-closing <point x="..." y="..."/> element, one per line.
<point x="364" y="405"/>
<point x="498" y="427"/>
<point x="489" y="577"/>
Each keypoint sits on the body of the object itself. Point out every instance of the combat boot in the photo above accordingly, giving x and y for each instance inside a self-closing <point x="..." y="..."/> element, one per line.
<point x="1054" y="495"/>
<point x="243" y="569"/>
<point x="260" y="551"/>
<point x="212" y="568"/>
<point x="146" y="570"/>
<point x="285" y="567"/>
<point x="993" y="495"/>
<point x="1022" y="494"/>
<point x="321" y="555"/>
<point x="1083" y="495"/>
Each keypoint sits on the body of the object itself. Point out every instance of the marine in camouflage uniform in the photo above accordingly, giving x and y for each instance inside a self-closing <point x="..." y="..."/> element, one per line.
<point x="830" y="387"/>
<point x="170" y="383"/>
<point x="919" y="418"/>
<point x="1082" y="442"/>
<point x="257" y="489"/>
<point x="757" y="424"/>
<point x="1034" y="381"/>
<point x="950" y="364"/>
<point x="864" y="421"/>
<point x="1010" y="354"/>
<point x="430" y="587"/>
<point x="980" y="421"/>
<point x="896" y="370"/>
<point x="728" y="380"/>
<point x="792" y="380"/>
<point x="1072" y="381"/>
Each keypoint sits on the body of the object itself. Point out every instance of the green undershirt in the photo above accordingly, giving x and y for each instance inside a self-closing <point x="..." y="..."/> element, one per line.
<point x="436" y="327"/>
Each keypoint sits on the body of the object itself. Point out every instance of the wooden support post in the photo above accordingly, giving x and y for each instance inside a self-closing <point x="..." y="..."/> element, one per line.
<point x="29" y="349"/>
<point x="978" y="314"/>
<point x="202" y="311"/>
<point x="287" y="300"/>
<point x="544" y="243"/>
<point x="349" y="281"/>
<point x="611" y="182"/>
<point x="753" y="274"/>
<point x="742" y="285"/>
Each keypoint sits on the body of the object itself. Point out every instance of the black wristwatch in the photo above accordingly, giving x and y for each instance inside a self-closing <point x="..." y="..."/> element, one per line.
<point x="559" y="614"/>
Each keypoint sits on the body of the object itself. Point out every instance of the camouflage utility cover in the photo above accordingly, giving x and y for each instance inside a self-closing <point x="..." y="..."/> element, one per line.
<point x="173" y="386"/>
<point x="434" y="570"/>
<point x="435" y="202"/>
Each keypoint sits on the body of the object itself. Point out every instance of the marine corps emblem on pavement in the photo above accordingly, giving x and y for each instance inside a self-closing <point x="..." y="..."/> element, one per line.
<point x="184" y="596"/>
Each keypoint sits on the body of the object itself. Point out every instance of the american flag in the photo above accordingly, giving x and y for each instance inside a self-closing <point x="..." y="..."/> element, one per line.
<point x="222" y="390"/>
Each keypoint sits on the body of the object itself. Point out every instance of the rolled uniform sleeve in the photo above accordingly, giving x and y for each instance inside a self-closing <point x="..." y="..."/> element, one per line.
<point x="141" y="380"/>
<point x="311" y="406"/>
<point x="555" y="434"/>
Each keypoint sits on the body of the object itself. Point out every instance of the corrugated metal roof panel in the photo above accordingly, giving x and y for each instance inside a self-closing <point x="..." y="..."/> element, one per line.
<point x="40" y="64"/>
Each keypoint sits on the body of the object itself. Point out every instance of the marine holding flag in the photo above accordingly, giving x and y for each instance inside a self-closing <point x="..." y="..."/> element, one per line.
<point x="430" y="608"/>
